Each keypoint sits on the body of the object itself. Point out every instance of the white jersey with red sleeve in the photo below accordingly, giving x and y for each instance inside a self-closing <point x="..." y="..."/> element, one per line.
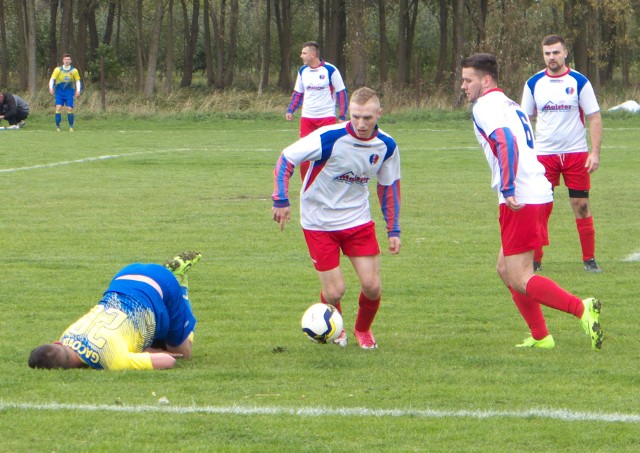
<point x="335" y="192"/>
<point x="318" y="89"/>
<point x="504" y="132"/>
<point x="561" y="103"/>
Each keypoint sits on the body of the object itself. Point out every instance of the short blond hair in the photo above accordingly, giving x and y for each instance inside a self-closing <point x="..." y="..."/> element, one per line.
<point x="363" y="95"/>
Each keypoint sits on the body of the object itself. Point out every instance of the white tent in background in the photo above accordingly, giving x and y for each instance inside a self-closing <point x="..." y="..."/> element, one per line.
<point x="629" y="106"/>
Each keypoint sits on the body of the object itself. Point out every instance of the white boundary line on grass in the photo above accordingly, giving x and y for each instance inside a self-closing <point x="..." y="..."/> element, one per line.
<point x="633" y="257"/>
<point x="555" y="414"/>
<point x="91" y="159"/>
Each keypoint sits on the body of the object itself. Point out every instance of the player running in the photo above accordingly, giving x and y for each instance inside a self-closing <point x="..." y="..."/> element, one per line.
<point x="334" y="204"/>
<point x="524" y="194"/>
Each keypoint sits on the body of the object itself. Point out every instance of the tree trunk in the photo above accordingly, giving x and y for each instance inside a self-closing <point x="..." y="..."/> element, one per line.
<point x="406" y="32"/>
<point x="217" y="19"/>
<point x="66" y="26"/>
<point x="94" y="40"/>
<point x="108" y="29"/>
<point x="191" y="39"/>
<point x="383" y="51"/>
<point x="80" y="57"/>
<point x="168" y="80"/>
<point x="4" y="55"/>
<point x="283" y="23"/>
<point x="336" y="33"/>
<point x="232" y="48"/>
<point x="30" y="10"/>
<point x="139" y="49"/>
<point x="265" y="61"/>
<point x="441" y="72"/>
<point x="154" y="48"/>
<point x="53" y="38"/>
<point x="22" y="40"/>
<point x="457" y="50"/>
<point x="357" y="44"/>
<point x="208" y="53"/>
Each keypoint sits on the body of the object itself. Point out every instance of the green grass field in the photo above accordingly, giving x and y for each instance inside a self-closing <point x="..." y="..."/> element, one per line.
<point x="77" y="207"/>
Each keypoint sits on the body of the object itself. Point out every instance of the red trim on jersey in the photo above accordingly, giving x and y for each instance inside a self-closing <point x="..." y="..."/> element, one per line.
<point x="352" y="132"/>
<point x="546" y="72"/>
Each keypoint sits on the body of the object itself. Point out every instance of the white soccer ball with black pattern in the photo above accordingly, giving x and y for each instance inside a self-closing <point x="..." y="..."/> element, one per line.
<point x="322" y="323"/>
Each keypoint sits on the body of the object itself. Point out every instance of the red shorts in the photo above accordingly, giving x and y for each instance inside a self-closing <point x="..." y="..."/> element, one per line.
<point x="308" y="125"/>
<point x="524" y="230"/>
<point x="570" y="166"/>
<point x="324" y="246"/>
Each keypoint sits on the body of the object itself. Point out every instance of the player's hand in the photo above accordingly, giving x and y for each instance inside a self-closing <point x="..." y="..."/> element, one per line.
<point x="394" y="245"/>
<point x="513" y="204"/>
<point x="592" y="164"/>
<point x="289" y="116"/>
<point x="51" y="91"/>
<point x="282" y="216"/>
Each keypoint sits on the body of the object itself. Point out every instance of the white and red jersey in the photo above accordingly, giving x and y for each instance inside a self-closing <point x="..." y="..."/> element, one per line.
<point x="561" y="103"/>
<point x="335" y="191"/>
<point x="318" y="89"/>
<point x="504" y="132"/>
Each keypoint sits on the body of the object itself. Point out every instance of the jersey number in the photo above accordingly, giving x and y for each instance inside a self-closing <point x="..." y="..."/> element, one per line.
<point x="526" y="125"/>
<point x="97" y="321"/>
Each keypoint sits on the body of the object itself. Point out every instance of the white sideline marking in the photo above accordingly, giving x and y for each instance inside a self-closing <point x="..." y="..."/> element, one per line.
<point x="556" y="414"/>
<point x="633" y="257"/>
<point x="93" y="159"/>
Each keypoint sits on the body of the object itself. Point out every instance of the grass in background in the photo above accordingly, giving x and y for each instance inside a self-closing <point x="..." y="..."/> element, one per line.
<point x="77" y="207"/>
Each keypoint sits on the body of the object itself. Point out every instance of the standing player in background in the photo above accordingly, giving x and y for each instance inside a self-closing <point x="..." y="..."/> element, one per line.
<point x="65" y="86"/>
<point x="143" y="322"/>
<point x="318" y="86"/>
<point x="524" y="194"/>
<point x="334" y="204"/>
<point x="561" y="98"/>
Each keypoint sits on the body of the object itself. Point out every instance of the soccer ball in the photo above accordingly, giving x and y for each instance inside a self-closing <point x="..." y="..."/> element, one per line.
<point x="322" y="323"/>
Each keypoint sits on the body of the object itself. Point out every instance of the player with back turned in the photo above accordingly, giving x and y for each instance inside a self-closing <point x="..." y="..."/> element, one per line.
<point x="524" y="195"/>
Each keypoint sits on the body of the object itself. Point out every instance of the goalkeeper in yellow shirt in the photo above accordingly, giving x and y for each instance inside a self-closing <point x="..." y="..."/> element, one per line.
<point x="144" y="321"/>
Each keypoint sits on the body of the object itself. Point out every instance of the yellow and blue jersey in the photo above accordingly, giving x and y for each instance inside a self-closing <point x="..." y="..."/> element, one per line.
<point x="65" y="80"/>
<point x="143" y="303"/>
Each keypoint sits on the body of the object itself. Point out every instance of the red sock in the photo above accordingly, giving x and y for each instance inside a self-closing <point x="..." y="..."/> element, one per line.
<point x="587" y="235"/>
<point x="324" y="301"/>
<point x="538" y="254"/>
<point x="549" y="293"/>
<point x="366" y="312"/>
<point x="532" y="314"/>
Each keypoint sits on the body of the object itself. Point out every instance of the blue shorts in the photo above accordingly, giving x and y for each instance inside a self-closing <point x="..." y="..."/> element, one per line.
<point x="65" y="99"/>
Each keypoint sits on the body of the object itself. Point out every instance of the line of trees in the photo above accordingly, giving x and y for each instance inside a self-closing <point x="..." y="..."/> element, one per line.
<point x="152" y="45"/>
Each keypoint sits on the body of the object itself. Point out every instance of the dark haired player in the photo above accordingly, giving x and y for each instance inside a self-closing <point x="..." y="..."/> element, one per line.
<point x="524" y="194"/>
<point x="562" y="98"/>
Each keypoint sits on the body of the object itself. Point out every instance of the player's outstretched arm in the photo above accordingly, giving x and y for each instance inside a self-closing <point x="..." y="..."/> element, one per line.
<point x="162" y="360"/>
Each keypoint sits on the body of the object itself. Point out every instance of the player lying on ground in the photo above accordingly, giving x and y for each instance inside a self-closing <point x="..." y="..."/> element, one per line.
<point x="144" y="321"/>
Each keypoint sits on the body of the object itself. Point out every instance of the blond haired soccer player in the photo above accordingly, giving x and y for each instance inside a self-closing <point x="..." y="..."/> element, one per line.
<point x="334" y="204"/>
<point x="524" y="194"/>
<point x="144" y="321"/>
<point x="65" y="85"/>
